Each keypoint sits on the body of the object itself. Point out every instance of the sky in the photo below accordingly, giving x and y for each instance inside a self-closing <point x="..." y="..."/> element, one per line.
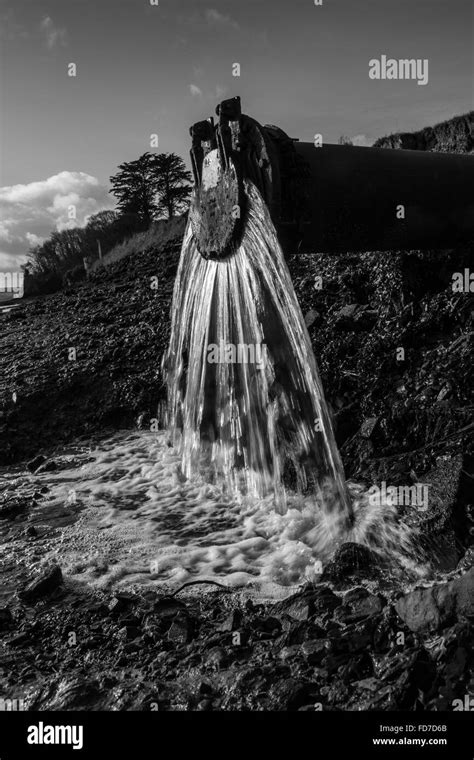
<point x="144" y="69"/>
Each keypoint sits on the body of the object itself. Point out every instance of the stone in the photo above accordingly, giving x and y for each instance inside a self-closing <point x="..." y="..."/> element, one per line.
<point x="352" y="559"/>
<point x="232" y="622"/>
<point x="312" y="600"/>
<point x="294" y="694"/>
<point x="168" y="607"/>
<point x="297" y="607"/>
<point x="358" y="605"/>
<point x="47" y="581"/>
<point x="356" y="317"/>
<point x="323" y="599"/>
<point x="6" y="618"/>
<point x="314" y="651"/>
<point x="268" y="624"/>
<point x="348" y="312"/>
<point x="19" y="639"/>
<point x="310" y="317"/>
<point x="290" y="652"/>
<point x="116" y="606"/>
<point x="463" y="590"/>
<point x="428" y="609"/>
<point x="368" y="427"/>
<point x="218" y="658"/>
<point x="12" y="507"/>
<point x="48" y="466"/>
<point x="181" y="630"/>
<point x="35" y="463"/>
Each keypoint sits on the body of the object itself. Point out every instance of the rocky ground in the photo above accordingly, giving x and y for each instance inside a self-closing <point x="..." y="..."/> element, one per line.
<point x="336" y="645"/>
<point x="86" y="358"/>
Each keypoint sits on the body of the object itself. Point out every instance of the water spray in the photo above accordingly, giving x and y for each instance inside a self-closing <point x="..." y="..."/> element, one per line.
<point x="259" y="197"/>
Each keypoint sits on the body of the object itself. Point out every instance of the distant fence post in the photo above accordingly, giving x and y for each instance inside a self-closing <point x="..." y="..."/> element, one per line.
<point x="87" y="264"/>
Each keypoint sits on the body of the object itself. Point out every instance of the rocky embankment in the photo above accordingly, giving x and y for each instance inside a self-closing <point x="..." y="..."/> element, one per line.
<point x="337" y="645"/>
<point x="86" y="358"/>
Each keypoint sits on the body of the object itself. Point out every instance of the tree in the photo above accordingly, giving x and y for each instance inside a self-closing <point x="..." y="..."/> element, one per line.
<point x="152" y="186"/>
<point x="135" y="187"/>
<point x="172" y="183"/>
<point x="101" y="221"/>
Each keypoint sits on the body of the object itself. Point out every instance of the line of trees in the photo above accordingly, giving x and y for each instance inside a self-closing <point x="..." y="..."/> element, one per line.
<point x="152" y="187"/>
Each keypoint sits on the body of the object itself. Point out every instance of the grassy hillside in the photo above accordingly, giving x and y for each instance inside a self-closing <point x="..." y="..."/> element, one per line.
<point x="452" y="136"/>
<point x="159" y="235"/>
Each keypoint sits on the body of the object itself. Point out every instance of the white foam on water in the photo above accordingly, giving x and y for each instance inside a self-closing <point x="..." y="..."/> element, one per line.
<point x="156" y="515"/>
<point x="143" y="524"/>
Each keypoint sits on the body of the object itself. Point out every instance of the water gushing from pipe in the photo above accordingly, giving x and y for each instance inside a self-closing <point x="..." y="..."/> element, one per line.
<point x="245" y="400"/>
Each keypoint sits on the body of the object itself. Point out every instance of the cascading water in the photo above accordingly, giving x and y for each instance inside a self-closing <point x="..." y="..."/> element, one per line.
<point x="253" y="492"/>
<point x="245" y="397"/>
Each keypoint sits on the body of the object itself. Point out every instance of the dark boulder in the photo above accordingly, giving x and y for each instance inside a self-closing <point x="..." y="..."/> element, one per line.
<point x="44" y="584"/>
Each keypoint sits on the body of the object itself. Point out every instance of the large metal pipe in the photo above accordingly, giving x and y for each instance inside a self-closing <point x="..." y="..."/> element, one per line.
<point x="332" y="198"/>
<point x="382" y="199"/>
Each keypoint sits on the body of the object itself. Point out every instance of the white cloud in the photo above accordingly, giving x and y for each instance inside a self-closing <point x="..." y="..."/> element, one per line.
<point x="362" y="141"/>
<point x="195" y="90"/>
<point x="216" y="18"/>
<point x="34" y="239"/>
<point x="208" y="94"/>
<point x="54" y="36"/>
<point x="208" y="18"/>
<point x="30" y="212"/>
<point x="10" y="28"/>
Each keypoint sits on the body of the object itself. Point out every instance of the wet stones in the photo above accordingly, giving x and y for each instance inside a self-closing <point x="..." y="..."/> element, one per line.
<point x="324" y="600"/>
<point x="311" y="317"/>
<point x="34" y="464"/>
<point x="297" y="607"/>
<point x="427" y="609"/>
<point x="463" y="589"/>
<point x="121" y="604"/>
<point x="182" y="629"/>
<point x="20" y="639"/>
<point x="48" y="466"/>
<point x="218" y="658"/>
<point x="266" y="627"/>
<point x="6" y="618"/>
<point x="368" y="427"/>
<point x="320" y="663"/>
<point x="167" y="607"/>
<point x="44" y="584"/>
<point x="13" y="507"/>
<point x="359" y="604"/>
<point x="233" y="621"/>
<point x="312" y="601"/>
<point x="294" y="695"/>
<point x="355" y="317"/>
<point x="352" y="559"/>
<point x="315" y="651"/>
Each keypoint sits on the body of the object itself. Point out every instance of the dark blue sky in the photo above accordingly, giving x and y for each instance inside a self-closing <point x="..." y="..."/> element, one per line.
<point x="143" y="69"/>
